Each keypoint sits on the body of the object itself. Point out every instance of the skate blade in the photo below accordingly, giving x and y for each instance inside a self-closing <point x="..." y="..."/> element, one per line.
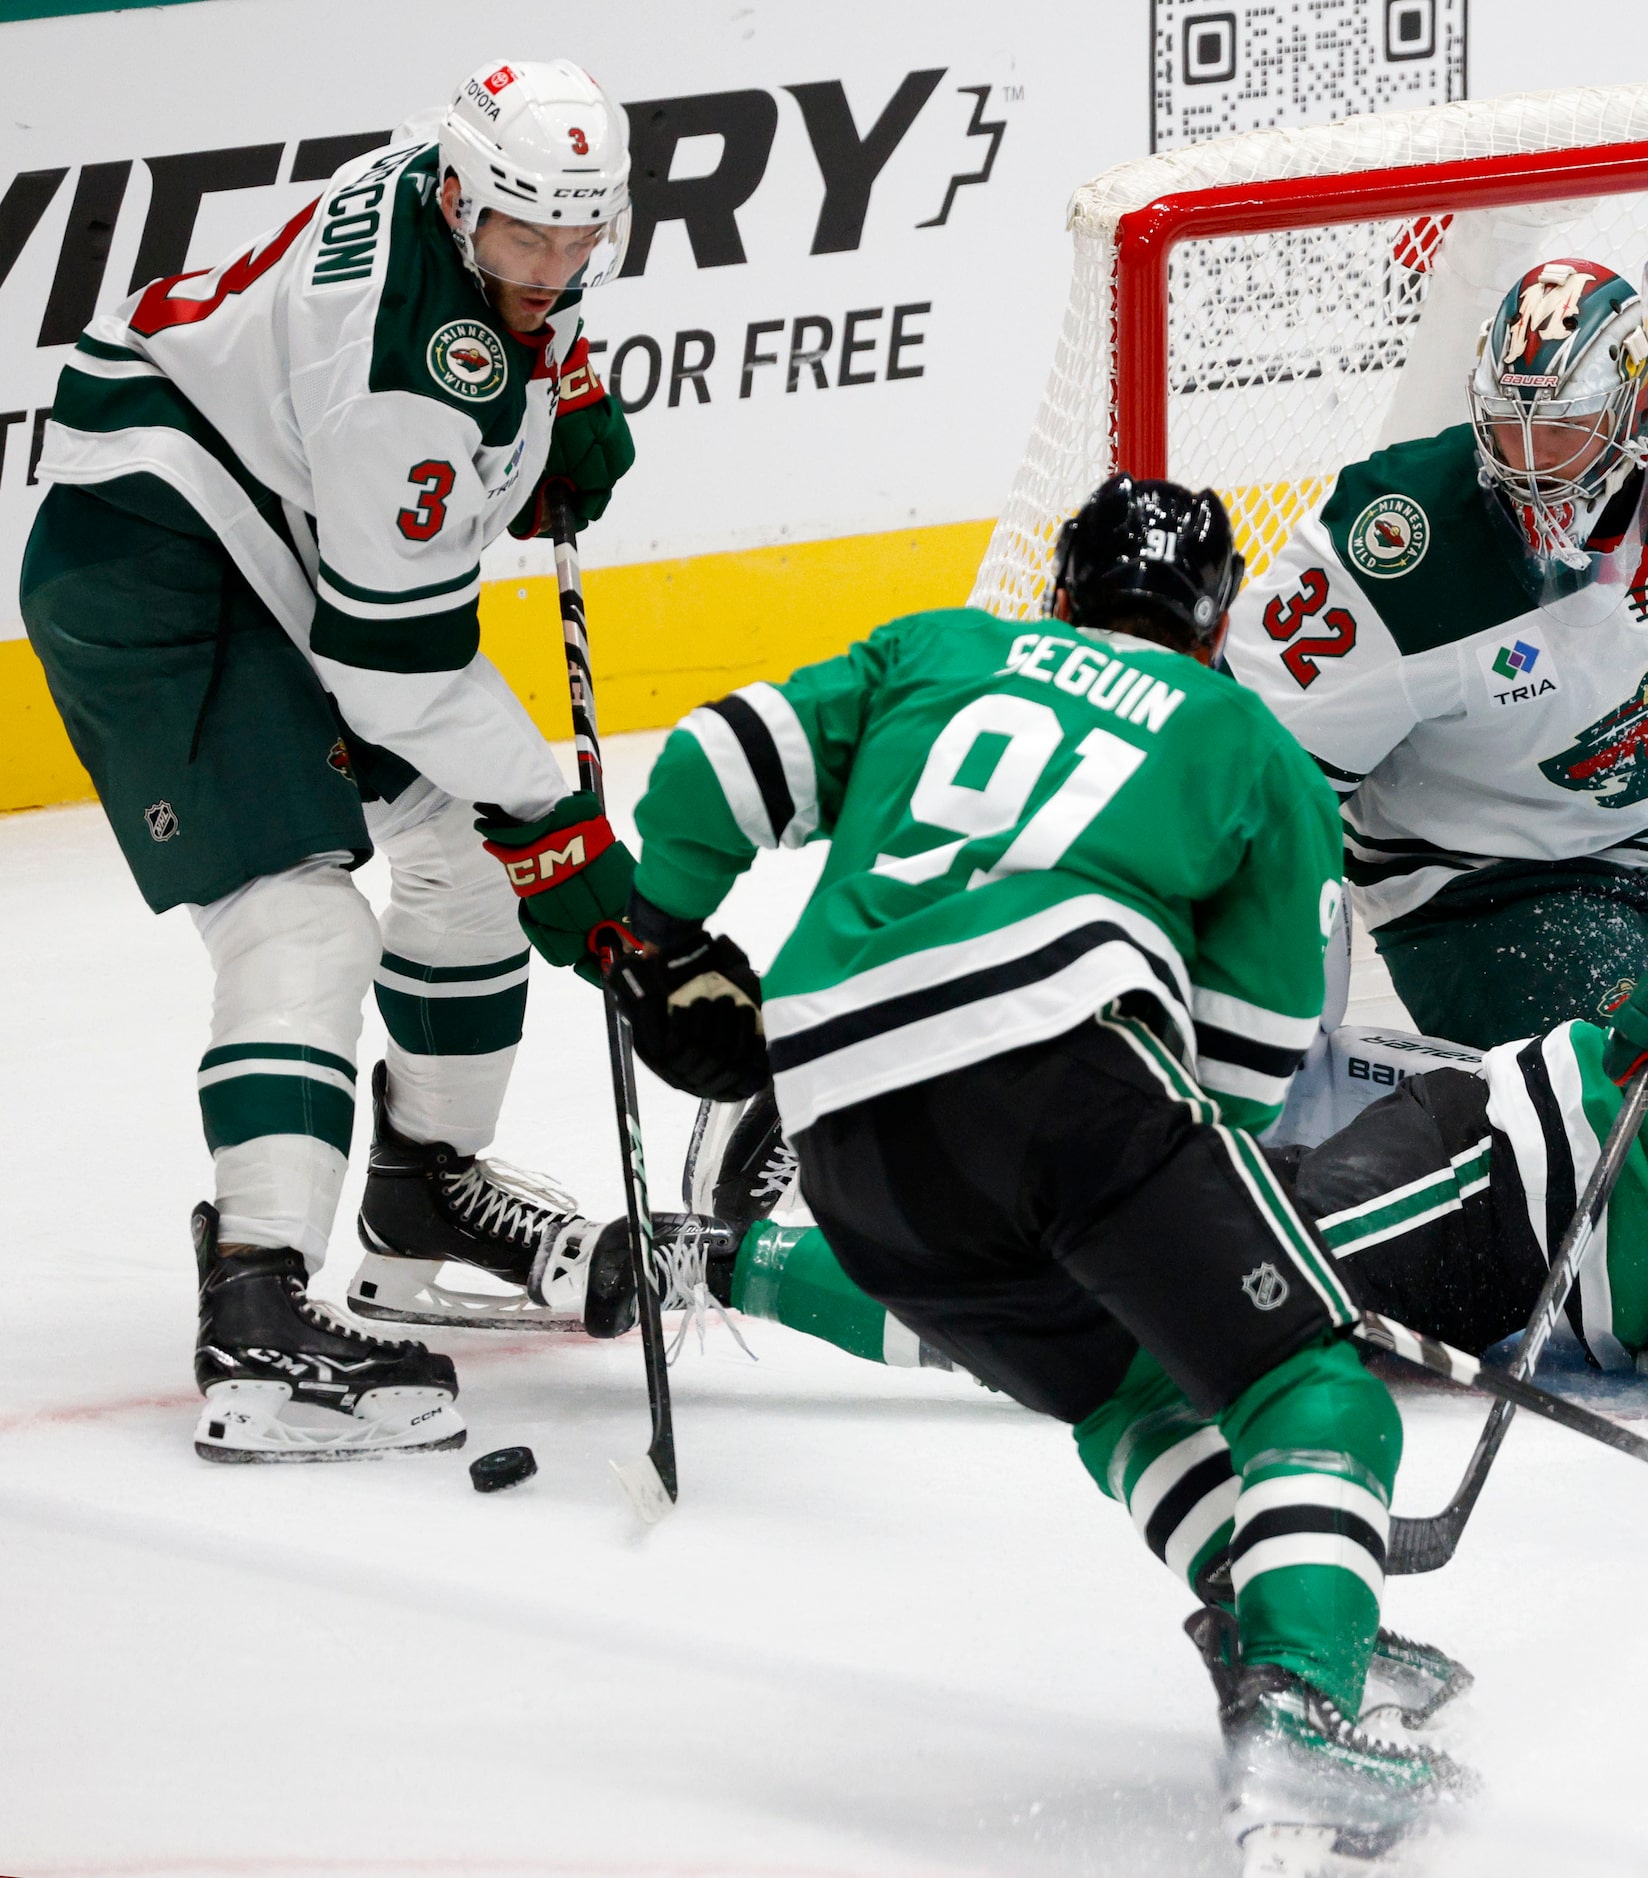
<point x="406" y="1291"/>
<point x="644" y="1488"/>
<point x="242" y="1422"/>
<point x="1312" y="1852"/>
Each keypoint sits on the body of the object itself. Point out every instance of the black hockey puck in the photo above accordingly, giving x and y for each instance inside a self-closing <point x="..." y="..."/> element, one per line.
<point x="503" y="1467"/>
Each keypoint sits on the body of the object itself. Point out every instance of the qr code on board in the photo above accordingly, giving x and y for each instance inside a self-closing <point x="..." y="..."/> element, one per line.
<point x="1220" y="68"/>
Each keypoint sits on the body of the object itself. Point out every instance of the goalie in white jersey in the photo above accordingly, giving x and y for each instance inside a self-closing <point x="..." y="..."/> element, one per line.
<point x="254" y="589"/>
<point x="1457" y="635"/>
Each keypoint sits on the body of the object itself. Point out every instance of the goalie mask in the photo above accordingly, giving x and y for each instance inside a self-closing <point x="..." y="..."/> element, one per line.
<point x="1557" y="403"/>
<point x="542" y="143"/>
<point x="1152" y="548"/>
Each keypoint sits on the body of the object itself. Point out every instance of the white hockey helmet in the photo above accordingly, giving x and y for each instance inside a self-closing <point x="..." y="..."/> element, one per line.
<point x="544" y="143"/>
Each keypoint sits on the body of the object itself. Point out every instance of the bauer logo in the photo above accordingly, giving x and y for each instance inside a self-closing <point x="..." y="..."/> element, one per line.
<point x="1389" y="537"/>
<point x="467" y="359"/>
<point x="1519" y="670"/>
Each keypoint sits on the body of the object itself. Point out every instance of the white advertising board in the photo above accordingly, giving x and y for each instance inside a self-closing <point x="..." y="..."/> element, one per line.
<point x="850" y="259"/>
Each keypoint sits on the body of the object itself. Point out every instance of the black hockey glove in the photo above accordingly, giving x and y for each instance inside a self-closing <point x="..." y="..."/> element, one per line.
<point x="1627" y="1047"/>
<point x="694" y="1006"/>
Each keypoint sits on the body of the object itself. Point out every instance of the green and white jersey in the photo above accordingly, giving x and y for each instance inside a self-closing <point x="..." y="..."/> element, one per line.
<point x="1025" y="826"/>
<point x="1460" y="723"/>
<point x="346" y="414"/>
<point x="1555" y="1106"/>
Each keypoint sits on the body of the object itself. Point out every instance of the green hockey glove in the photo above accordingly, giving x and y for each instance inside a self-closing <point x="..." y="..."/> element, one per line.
<point x="1627" y="1047"/>
<point x="571" y="871"/>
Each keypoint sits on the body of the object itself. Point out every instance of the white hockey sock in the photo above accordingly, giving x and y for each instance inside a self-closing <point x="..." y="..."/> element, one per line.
<point x="454" y="1099"/>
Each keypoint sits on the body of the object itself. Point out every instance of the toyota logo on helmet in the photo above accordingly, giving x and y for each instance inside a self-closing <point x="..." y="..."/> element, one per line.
<point x="540" y="141"/>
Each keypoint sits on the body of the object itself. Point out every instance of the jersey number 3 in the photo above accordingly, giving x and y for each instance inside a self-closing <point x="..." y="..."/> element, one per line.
<point x="435" y="479"/>
<point x="980" y="776"/>
<point x="1283" y="618"/>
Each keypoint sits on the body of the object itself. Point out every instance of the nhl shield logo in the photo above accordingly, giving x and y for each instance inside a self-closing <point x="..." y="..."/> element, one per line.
<point x="1266" y="1286"/>
<point x="162" y="820"/>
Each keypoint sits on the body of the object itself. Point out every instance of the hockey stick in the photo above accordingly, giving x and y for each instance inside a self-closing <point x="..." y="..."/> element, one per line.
<point x="1441" y="1359"/>
<point x="1425" y="1545"/>
<point x="651" y="1481"/>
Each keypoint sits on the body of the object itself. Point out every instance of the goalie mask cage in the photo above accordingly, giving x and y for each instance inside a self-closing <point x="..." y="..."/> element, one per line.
<point x="1257" y="311"/>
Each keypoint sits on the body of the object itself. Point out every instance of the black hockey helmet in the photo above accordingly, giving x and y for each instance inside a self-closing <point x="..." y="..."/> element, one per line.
<point x="1148" y="547"/>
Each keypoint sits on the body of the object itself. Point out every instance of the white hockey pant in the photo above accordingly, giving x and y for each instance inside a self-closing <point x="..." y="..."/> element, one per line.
<point x="293" y="954"/>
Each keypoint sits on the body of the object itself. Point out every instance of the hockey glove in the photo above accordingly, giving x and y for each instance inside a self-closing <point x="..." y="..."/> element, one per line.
<point x="1627" y="1047"/>
<point x="694" y="1007"/>
<point x="589" y="449"/>
<point x="571" y="871"/>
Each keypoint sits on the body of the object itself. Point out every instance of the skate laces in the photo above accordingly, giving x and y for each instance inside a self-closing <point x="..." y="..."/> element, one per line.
<point x="313" y="1311"/>
<point x="508" y="1202"/>
<point x="681" y="1273"/>
<point x="773" y="1182"/>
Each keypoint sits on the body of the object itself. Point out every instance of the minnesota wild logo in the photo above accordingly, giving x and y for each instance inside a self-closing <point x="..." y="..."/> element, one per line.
<point x="1608" y="760"/>
<point x="467" y="359"/>
<point x="1389" y="537"/>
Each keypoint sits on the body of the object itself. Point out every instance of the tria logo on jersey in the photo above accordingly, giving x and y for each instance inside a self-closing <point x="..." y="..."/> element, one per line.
<point x="1519" y="670"/>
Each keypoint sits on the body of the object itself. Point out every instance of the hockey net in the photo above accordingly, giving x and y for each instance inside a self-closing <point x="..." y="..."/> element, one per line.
<point x="1256" y="311"/>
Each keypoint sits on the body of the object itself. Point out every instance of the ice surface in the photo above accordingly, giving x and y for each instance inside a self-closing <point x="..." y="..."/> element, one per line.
<point x="891" y="1629"/>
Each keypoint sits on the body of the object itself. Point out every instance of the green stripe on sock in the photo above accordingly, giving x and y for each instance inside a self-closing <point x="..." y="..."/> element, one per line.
<point x="453" y="974"/>
<point x="454" y="1026"/>
<point x="277" y="1053"/>
<point x="243" y="1108"/>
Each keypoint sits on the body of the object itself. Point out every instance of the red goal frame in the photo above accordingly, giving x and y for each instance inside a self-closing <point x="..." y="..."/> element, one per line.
<point x="1146" y="238"/>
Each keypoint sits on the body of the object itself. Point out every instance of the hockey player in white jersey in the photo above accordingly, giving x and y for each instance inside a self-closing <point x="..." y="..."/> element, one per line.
<point x="1457" y="635"/>
<point x="254" y="588"/>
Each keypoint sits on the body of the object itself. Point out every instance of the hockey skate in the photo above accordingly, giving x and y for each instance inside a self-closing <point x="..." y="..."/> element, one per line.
<point x="1308" y="1793"/>
<point x="739" y="1168"/>
<point x="286" y="1381"/>
<point x="427" y="1206"/>
<point x="1412" y="1681"/>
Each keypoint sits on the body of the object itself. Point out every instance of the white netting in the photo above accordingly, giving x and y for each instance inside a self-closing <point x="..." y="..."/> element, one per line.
<point x="1293" y="352"/>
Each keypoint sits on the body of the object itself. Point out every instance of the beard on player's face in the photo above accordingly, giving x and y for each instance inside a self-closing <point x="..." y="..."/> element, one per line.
<point x="525" y="266"/>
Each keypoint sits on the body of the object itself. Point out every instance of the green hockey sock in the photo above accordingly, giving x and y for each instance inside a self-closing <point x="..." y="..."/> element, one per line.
<point x="1169" y="1466"/>
<point x="1316" y="1442"/>
<point x="790" y="1275"/>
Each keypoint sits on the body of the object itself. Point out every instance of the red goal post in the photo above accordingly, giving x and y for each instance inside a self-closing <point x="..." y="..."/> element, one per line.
<point x="1256" y="311"/>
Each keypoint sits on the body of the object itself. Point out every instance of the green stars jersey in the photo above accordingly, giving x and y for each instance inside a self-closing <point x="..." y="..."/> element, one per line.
<point x="1461" y="724"/>
<point x="342" y="409"/>
<point x="1025" y="827"/>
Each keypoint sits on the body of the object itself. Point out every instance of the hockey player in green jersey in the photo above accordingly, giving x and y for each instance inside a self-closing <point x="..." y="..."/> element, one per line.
<point x="1456" y="634"/>
<point x="1061" y="961"/>
<point x="254" y="586"/>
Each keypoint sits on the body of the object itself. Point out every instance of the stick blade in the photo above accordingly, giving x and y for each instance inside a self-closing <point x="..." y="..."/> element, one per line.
<point x="644" y="1488"/>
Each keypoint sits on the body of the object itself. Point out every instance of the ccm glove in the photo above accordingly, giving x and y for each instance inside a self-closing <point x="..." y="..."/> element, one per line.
<point x="694" y="1007"/>
<point x="1627" y="1047"/>
<point x="571" y="871"/>
<point x="589" y="448"/>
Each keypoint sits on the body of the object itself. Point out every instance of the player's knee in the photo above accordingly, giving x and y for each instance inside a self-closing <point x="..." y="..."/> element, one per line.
<point x="1323" y="1400"/>
<point x="297" y="948"/>
<point x="450" y="902"/>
